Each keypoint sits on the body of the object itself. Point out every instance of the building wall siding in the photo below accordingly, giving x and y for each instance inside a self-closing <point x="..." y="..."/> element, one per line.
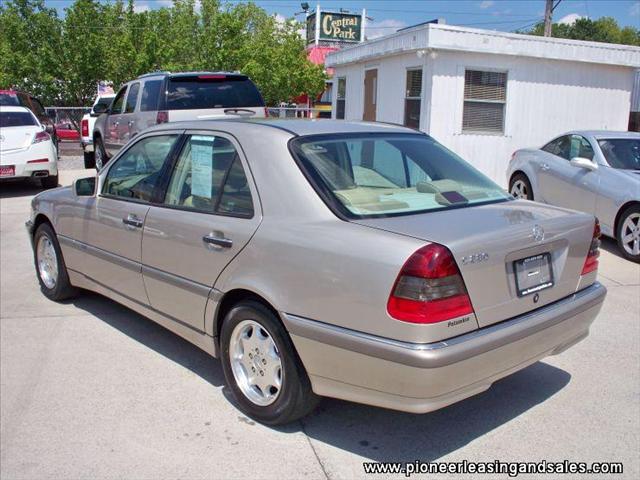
<point x="544" y="99"/>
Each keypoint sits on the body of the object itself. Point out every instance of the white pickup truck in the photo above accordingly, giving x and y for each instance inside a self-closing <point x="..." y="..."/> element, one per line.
<point x="86" y="129"/>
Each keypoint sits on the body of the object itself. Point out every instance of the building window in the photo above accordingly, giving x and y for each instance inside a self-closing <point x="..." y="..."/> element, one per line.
<point x="413" y="98"/>
<point x="340" y="98"/>
<point x="485" y="95"/>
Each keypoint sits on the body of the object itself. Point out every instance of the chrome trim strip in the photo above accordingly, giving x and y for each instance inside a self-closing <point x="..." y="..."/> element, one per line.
<point x="137" y="302"/>
<point x="160" y="275"/>
<point x="176" y="280"/>
<point x="101" y="254"/>
<point x="447" y="352"/>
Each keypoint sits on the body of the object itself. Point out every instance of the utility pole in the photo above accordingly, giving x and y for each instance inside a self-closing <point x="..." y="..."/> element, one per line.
<point x="548" y="12"/>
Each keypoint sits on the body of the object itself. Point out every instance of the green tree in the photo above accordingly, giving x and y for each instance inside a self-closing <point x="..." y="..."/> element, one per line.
<point x="604" y="29"/>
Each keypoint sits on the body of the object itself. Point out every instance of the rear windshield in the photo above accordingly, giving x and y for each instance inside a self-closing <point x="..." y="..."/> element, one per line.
<point x="211" y="91"/>
<point x="379" y="175"/>
<point x="9" y="99"/>
<point x="621" y="153"/>
<point x="16" y="119"/>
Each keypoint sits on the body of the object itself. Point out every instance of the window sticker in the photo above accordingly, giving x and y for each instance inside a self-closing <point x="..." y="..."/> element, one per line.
<point x="201" y="165"/>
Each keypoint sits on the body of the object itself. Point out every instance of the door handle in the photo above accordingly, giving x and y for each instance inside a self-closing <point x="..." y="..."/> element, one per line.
<point x="132" y="221"/>
<point x="211" y="239"/>
<point x="545" y="167"/>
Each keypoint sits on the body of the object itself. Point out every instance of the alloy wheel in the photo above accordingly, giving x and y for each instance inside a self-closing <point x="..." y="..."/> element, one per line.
<point x="47" y="262"/>
<point x="519" y="189"/>
<point x="630" y="233"/>
<point x="255" y="363"/>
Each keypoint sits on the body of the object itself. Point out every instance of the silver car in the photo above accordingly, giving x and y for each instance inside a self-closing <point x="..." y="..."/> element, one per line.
<point x="597" y="172"/>
<point x="350" y="260"/>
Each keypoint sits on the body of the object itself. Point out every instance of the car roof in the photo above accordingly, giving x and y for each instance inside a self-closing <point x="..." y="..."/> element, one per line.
<point x="598" y="134"/>
<point x="296" y="127"/>
<point x="187" y="74"/>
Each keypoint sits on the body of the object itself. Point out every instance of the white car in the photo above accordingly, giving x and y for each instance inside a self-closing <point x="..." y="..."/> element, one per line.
<point x="86" y="128"/>
<point x="26" y="149"/>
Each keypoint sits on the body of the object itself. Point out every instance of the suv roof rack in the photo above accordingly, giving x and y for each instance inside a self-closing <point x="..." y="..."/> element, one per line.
<point x="152" y="74"/>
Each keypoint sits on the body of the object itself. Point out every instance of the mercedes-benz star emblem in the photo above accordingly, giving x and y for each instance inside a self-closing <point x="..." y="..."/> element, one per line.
<point x="538" y="233"/>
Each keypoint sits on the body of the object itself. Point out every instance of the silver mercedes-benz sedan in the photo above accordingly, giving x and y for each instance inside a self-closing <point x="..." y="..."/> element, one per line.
<point x="350" y="260"/>
<point x="597" y="172"/>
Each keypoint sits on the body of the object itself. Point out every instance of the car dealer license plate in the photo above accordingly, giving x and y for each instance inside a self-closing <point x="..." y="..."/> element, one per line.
<point x="533" y="274"/>
<point x="7" y="171"/>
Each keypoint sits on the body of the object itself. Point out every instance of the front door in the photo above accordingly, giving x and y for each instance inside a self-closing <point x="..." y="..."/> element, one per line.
<point x="562" y="183"/>
<point x="112" y="233"/>
<point x="370" y="95"/>
<point x="207" y="216"/>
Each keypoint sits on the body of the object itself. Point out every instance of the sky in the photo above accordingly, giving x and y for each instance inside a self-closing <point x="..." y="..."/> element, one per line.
<point x="389" y="15"/>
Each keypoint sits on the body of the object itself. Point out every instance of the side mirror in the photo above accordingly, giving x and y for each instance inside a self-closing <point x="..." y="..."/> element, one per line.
<point x="585" y="163"/>
<point x="100" y="108"/>
<point x="85" y="187"/>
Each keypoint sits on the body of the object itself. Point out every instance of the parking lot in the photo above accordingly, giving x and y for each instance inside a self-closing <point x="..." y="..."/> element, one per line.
<point x="90" y="389"/>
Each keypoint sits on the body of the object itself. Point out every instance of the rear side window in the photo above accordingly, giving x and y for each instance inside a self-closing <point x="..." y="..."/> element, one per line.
<point x="150" y="95"/>
<point x="212" y="91"/>
<point x="209" y="178"/>
<point x="132" y="98"/>
<point x="16" y="119"/>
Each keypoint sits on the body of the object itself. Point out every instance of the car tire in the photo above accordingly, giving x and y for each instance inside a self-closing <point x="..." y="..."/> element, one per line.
<point x="520" y="187"/>
<point x="99" y="155"/>
<point x="256" y="340"/>
<point x="628" y="233"/>
<point x="50" y="267"/>
<point x="49" y="182"/>
<point x="89" y="160"/>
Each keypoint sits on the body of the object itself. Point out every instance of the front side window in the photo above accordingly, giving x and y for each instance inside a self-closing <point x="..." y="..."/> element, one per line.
<point x="137" y="173"/>
<point x="621" y="153"/>
<point x="341" y="98"/>
<point x="580" y="147"/>
<point x="485" y="96"/>
<point x="118" y="102"/>
<point x="209" y="178"/>
<point x="413" y="97"/>
<point x="132" y="98"/>
<point x="390" y="174"/>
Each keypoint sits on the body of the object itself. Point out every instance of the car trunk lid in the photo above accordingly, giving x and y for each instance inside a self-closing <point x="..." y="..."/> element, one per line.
<point x="487" y="241"/>
<point x="17" y="138"/>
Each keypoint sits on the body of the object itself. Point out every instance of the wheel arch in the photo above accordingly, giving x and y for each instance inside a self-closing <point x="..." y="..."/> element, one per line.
<point x="616" y="223"/>
<point x="39" y="220"/>
<point x="232" y="298"/>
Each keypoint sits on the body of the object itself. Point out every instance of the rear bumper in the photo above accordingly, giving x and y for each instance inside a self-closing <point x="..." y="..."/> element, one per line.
<point x="420" y="378"/>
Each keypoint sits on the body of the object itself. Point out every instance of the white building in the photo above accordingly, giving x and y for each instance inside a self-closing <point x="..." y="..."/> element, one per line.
<point x="485" y="94"/>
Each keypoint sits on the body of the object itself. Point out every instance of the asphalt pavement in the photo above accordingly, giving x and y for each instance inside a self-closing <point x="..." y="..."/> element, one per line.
<point x="90" y="389"/>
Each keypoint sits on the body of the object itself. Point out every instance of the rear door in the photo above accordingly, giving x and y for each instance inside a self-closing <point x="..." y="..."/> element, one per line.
<point x="126" y="128"/>
<point x="208" y="214"/>
<point x="112" y="231"/>
<point x="112" y="123"/>
<point x="564" y="184"/>
<point x="205" y="96"/>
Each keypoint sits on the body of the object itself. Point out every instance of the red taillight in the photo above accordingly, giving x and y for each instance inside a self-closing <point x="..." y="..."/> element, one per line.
<point x="266" y="112"/>
<point x="41" y="137"/>
<point x="84" y="127"/>
<point x="212" y="77"/>
<point x="591" y="262"/>
<point x="429" y="288"/>
<point x="162" y="117"/>
<point x="39" y="160"/>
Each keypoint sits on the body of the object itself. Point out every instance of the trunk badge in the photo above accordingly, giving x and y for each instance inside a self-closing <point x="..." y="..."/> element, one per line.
<point x="538" y="233"/>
